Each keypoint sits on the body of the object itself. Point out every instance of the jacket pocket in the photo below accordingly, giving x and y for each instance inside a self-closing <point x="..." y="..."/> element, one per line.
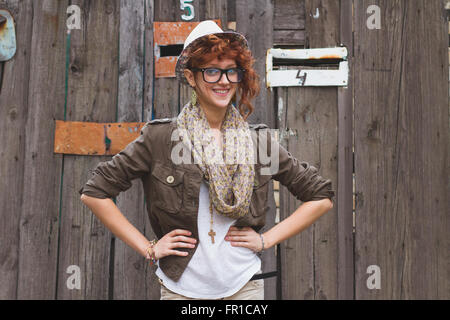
<point x="167" y="186"/>
<point x="258" y="204"/>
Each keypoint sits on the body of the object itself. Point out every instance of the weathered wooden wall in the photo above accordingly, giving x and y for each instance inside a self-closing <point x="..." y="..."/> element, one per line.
<point x="395" y="108"/>
<point x="401" y="150"/>
<point x="309" y="260"/>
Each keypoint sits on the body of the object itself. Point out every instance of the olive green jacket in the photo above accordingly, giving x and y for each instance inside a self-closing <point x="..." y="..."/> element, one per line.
<point x="172" y="190"/>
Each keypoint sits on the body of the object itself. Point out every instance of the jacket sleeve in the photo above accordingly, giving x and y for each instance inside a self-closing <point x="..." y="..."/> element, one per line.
<point x="111" y="177"/>
<point x="301" y="178"/>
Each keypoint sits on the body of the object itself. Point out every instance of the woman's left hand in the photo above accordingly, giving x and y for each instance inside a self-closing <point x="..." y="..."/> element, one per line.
<point x="244" y="237"/>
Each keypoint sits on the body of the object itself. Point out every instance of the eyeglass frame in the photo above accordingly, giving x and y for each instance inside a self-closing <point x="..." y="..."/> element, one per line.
<point x="222" y="71"/>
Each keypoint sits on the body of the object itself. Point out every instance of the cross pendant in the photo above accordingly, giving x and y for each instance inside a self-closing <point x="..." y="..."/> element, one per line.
<point x="211" y="233"/>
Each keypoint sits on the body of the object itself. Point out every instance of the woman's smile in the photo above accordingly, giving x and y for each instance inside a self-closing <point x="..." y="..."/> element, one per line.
<point x="221" y="92"/>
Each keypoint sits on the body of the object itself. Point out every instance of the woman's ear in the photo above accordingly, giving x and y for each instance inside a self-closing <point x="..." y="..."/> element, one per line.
<point x="189" y="77"/>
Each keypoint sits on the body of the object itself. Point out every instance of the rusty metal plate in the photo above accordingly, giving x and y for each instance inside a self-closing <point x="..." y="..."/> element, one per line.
<point x="7" y="35"/>
<point x="170" y="34"/>
<point x="92" y="138"/>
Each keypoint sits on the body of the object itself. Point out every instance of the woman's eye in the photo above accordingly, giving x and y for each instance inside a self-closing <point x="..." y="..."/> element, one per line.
<point x="232" y="71"/>
<point x="211" y="72"/>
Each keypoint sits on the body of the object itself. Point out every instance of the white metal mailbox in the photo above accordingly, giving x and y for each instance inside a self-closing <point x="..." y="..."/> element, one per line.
<point x="307" y="77"/>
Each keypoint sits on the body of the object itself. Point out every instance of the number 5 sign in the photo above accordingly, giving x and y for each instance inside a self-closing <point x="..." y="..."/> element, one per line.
<point x="186" y="5"/>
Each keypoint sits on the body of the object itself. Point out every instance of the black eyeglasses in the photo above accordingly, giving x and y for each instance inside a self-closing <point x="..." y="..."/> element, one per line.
<point x="213" y="75"/>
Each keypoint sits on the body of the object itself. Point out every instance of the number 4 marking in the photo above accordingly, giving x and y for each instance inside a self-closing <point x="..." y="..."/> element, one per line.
<point x="302" y="78"/>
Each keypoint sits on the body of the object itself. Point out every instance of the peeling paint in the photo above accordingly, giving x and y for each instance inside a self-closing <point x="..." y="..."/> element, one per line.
<point x="317" y="14"/>
<point x="280" y="108"/>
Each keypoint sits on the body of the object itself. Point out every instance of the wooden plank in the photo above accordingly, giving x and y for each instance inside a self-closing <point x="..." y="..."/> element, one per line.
<point x="289" y="15"/>
<point x="153" y="288"/>
<point x="309" y="260"/>
<point x="318" y="33"/>
<point x="297" y="252"/>
<point x="255" y="21"/>
<point x="216" y="9"/>
<point x="344" y="198"/>
<point x="289" y="37"/>
<point x="148" y="60"/>
<point x="131" y="281"/>
<point x="185" y="91"/>
<point x="91" y="96"/>
<point x="401" y="152"/>
<point x="39" y="215"/>
<point x="324" y="32"/>
<point x="167" y="90"/>
<point x="13" y="99"/>
<point x="231" y="10"/>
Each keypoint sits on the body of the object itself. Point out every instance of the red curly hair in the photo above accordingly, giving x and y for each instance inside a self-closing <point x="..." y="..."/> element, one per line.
<point x="210" y="47"/>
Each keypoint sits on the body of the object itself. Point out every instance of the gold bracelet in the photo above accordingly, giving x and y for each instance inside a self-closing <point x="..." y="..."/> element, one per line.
<point x="150" y="252"/>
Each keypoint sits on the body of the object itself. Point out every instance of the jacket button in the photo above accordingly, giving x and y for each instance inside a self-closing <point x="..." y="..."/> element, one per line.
<point x="170" y="179"/>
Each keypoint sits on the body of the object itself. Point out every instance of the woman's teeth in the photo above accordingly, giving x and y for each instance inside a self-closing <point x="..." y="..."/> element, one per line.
<point x="221" y="91"/>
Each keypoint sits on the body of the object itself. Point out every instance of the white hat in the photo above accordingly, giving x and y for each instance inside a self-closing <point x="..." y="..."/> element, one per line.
<point x="203" y="29"/>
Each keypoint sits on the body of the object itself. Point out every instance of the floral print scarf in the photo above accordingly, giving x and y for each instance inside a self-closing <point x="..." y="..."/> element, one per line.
<point x="230" y="182"/>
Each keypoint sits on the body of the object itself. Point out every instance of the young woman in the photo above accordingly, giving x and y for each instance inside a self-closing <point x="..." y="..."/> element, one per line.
<point x="205" y="214"/>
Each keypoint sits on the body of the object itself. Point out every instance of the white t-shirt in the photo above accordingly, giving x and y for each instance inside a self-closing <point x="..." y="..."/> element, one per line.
<point x="216" y="270"/>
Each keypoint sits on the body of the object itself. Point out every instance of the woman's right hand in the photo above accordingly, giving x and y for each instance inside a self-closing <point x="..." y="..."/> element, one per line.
<point x="177" y="238"/>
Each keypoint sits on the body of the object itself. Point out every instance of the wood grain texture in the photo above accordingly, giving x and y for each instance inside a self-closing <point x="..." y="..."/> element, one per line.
<point x="254" y="19"/>
<point x="344" y="196"/>
<point x="309" y="260"/>
<point x="13" y="118"/>
<point x="167" y="90"/>
<point x="131" y="281"/>
<point x="91" y="96"/>
<point x="148" y="61"/>
<point x="289" y="15"/>
<point x="39" y="215"/>
<point x="401" y="151"/>
<point x="289" y="37"/>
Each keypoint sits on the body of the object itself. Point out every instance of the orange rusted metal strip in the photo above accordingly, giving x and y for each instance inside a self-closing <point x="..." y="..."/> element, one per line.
<point x="165" y="67"/>
<point x="170" y="33"/>
<point x="326" y="57"/>
<point x="92" y="138"/>
<point x="166" y="33"/>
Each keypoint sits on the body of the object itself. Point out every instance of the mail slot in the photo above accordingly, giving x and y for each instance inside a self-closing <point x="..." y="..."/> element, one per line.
<point x="304" y="77"/>
<point x="168" y="40"/>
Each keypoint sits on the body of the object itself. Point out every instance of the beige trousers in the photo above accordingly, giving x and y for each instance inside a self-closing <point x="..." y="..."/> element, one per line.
<point x="253" y="290"/>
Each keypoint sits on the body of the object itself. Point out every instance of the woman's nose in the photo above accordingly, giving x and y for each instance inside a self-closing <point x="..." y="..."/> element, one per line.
<point x="223" y="79"/>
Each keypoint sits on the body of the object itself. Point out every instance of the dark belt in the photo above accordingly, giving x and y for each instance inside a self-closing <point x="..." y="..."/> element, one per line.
<point x="264" y="275"/>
